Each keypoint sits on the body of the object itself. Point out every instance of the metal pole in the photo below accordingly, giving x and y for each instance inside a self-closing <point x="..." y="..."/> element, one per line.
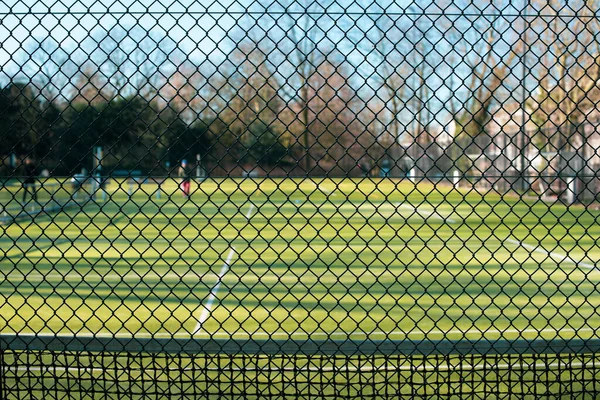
<point x="98" y="185"/>
<point x="198" y="167"/>
<point x="524" y="95"/>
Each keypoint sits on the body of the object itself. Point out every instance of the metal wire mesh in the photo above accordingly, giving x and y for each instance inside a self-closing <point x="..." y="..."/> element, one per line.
<point x="299" y="200"/>
<point x="134" y="375"/>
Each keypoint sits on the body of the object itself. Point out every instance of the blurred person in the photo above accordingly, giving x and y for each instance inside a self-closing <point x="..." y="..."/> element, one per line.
<point x="184" y="173"/>
<point x="77" y="182"/>
<point x="29" y="181"/>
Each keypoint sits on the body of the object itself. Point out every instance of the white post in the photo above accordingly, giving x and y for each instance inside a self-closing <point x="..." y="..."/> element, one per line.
<point x="412" y="174"/>
<point x="571" y="190"/>
<point x="53" y="203"/>
<point x="97" y="179"/>
<point x="198" y="166"/>
<point x="456" y="177"/>
<point x="95" y="185"/>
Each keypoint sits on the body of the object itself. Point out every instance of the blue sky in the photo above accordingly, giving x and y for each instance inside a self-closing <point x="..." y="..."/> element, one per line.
<point x="70" y="23"/>
<point x="194" y="25"/>
<point x="209" y="30"/>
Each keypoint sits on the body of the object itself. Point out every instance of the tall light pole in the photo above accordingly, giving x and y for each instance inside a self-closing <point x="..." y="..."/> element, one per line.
<point x="524" y="95"/>
<point x="97" y="167"/>
<point x="199" y="174"/>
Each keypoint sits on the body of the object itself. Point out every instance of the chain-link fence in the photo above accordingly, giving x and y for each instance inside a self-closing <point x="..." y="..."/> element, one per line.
<point x="299" y="200"/>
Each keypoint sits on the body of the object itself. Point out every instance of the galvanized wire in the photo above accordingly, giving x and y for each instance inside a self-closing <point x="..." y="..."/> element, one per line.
<point x="302" y="199"/>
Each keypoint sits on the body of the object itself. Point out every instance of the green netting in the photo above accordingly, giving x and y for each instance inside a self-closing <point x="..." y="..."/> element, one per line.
<point x="47" y="374"/>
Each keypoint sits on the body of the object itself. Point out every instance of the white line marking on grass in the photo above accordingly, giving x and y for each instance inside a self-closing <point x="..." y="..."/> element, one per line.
<point x="34" y="212"/>
<point x="45" y="369"/>
<point x="413" y="333"/>
<point x="556" y="256"/>
<point x="304" y="335"/>
<point x="249" y="213"/>
<point x="327" y="192"/>
<point x="213" y="293"/>
<point x="395" y="367"/>
<point x="419" y="211"/>
<point x="98" y="277"/>
<point x="186" y="245"/>
<point x="102" y="335"/>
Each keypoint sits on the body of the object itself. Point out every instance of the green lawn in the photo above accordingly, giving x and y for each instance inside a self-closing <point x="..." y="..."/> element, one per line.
<point x="333" y="258"/>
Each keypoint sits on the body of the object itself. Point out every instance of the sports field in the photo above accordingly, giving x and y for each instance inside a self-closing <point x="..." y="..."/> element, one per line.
<point x="302" y="258"/>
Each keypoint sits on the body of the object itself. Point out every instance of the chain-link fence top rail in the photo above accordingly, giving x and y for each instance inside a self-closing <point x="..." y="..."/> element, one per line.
<point x="269" y="199"/>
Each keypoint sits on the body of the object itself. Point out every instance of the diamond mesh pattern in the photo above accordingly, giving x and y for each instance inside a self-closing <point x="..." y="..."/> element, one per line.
<point x="299" y="200"/>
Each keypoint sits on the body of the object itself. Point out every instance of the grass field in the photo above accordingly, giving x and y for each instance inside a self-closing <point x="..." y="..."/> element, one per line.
<point x="297" y="258"/>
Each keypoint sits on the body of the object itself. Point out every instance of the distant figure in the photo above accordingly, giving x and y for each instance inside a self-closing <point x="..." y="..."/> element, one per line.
<point x="184" y="173"/>
<point x="29" y="182"/>
<point x="364" y="167"/>
<point x="77" y="182"/>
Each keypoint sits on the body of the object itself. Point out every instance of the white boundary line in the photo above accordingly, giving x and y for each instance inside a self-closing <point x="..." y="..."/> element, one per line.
<point x="101" y="335"/>
<point x="328" y="192"/>
<point x="419" y="333"/>
<point x="557" y="257"/>
<point x="107" y="277"/>
<point x="520" y="366"/>
<point x="172" y="244"/>
<point x="33" y="213"/>
<point x="418" y="211"/>
<point x="342" y="334"/>
<point x="249" y="213"/>
<point x="318" y="186"/>
<point x="213" y="293"/>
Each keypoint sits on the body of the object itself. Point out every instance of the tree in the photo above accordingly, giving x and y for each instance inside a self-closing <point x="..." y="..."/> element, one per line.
<point x="489" y="63"/>
<point x="90" y="86"/>
<point x="420" y="59"/>
<point x="46" y="67"/>
<point x="263" y="145"/>
<point x="20" y="120"/>
<point x="185" y="141"/>
<point x="387" y="70"/>
<point x="113" y="59"/>
<point x="301" y="48"/>
<point x="566" y="87"/>
<point x="150" y="58"/>
<point x="255" y="105"/>
<point x="388" y="58"/>
<point x="568" y="72"/>
<point x="180" y="92"/>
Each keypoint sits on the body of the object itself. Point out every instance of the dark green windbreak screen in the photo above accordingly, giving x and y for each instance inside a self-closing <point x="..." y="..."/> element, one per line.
<point x="294" y="200"/>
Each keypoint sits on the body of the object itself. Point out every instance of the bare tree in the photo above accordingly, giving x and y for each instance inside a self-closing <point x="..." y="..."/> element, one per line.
<point x="568" y="72"/>
<point x="332" y="105"/>
<point x="489" y="62"/>
<point x="256" y="101"/>
<point x="566" y="92"/>
<point x="90" y="86"/>
<point x="113" y="56"/>
<point x="302" y="52"/>
<point x="391" y="68"/>
<point x="419" y="58"/>
<point x="46" y="67"/>
<point x="180" y="90"/>
<point x="150" y="60"/>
